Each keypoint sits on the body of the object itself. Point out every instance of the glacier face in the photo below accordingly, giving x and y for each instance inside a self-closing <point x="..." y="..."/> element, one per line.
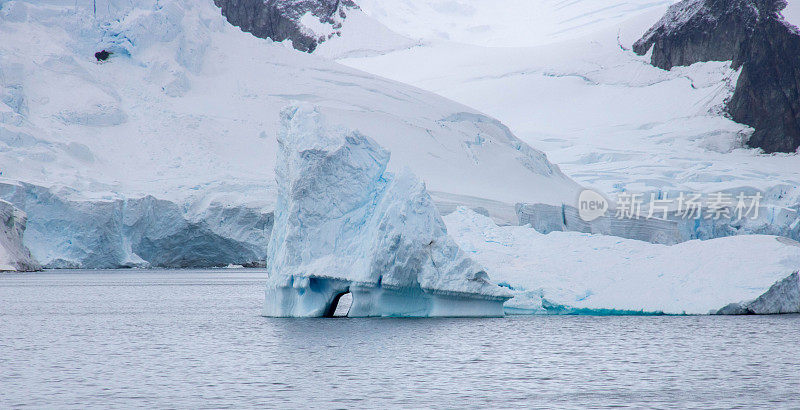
<point x="773" y="217"/>
<point x="137" y="232"/>
<point x="344" y="224"/>
<point x="14" y="256"/>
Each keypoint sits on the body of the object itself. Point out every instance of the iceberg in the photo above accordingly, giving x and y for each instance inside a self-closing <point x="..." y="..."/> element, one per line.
<point x="343" y="224"/>
<point x="14" y="256"/>
<point x="574" y="273"/>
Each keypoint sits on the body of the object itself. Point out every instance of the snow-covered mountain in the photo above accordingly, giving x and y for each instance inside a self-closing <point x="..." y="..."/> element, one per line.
<point x="163" y="155"/>
<point x="565" y="79"/>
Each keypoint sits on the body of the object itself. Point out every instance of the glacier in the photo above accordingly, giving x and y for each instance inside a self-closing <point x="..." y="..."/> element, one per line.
<point x="173" y="136"/>
<point x="772" y="217"/>
<point x="14" y="256"/>
<point x="572" y="273"/>
<point x="571" y="85"/>
<point x="67" y="231"/>
<point x="343" y="224"/>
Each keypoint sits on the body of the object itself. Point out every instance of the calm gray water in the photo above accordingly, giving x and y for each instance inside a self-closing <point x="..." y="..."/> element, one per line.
<point x="195" y="339"/>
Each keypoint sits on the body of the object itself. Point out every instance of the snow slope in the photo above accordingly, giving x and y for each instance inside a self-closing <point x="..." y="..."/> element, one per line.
<point x="344" y="224"/>
<point x="186" y="109"/>
<point x="564" y="272"/>
<point x="572" y="87"/>
<point x="14" y="256"/>
<point x="792" y="12"/>
<point x="503" y="23"/>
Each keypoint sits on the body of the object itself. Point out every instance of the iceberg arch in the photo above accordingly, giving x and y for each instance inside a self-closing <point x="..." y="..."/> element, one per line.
<point x="345" y="224"/>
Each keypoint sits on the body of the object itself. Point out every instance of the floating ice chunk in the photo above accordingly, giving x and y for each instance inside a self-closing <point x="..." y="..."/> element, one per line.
<point x="570" y="272"/>
<point x="344" y="224"/>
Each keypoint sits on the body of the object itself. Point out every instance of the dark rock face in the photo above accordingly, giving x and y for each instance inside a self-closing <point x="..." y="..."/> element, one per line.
<point x="279" y="19"/>
<point x="755" y="37"/>
<point x="767" y="96"/>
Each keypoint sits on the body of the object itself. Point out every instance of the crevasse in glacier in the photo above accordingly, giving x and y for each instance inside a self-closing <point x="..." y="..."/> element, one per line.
<point x="345" y="224"/>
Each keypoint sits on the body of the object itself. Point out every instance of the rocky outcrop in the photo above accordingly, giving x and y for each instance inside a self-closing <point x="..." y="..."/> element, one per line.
<point x="280" y="20"/>
<point x="756" y="38"/>
<point x="14" y="256"/>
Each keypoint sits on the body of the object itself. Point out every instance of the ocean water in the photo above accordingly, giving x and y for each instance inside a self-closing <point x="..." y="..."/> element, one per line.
<point x="196" y="339"/>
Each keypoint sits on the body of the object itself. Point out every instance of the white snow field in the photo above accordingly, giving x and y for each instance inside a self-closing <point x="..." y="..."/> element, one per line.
<point x="14" y="256"/>
<point x="569" y="272"/>
<point x="792" y="12"/>
<point x="562" y="77"/>
<point x="186" y="109"/>
<point x="343" y="224"/>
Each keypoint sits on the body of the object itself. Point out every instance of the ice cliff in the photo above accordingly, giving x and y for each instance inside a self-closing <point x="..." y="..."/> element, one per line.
<point x="345" y="224"/>
<point x="777" y="215"/>
<point x="14" y="256"/>
<point x="119" y="232"/>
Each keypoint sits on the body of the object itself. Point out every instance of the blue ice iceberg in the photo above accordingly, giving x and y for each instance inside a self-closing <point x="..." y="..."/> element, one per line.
<point x="345" y="224"/>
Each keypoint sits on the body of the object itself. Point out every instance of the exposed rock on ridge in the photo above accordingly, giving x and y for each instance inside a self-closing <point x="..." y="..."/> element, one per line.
<point x="279" y="20"/>
<point x="757" y="39"/>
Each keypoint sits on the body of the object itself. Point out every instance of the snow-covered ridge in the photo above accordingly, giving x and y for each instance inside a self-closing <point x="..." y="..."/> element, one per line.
<point x="14" y="256"/>
<point x="344" y="224"/>
<point x="604" y="114"/>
